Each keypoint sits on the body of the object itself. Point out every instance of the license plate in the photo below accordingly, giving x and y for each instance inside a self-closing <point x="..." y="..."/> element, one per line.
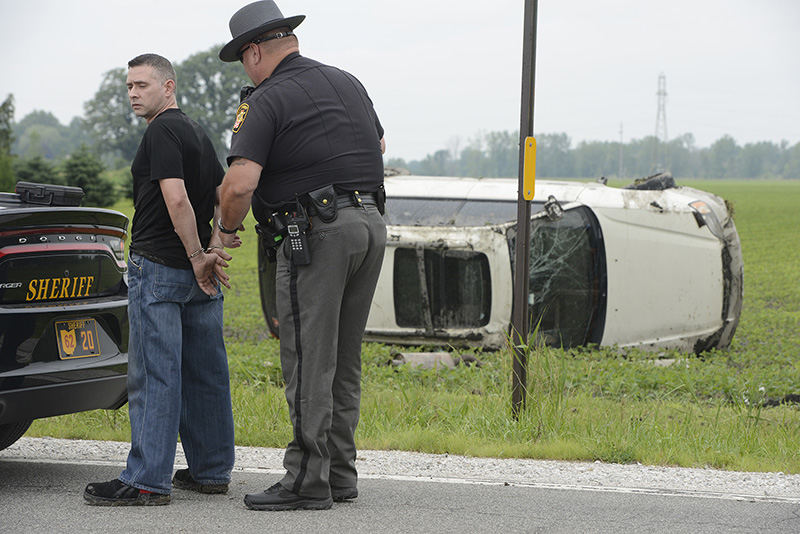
<point x="77" y="338"/>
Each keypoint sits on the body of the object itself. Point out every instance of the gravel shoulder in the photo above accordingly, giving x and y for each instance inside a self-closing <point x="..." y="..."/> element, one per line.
<point x="443" y="468"/>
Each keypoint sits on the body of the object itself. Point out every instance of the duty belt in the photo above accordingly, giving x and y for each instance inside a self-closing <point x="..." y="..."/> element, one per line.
<point x="343" y="200"/>
<point x="349" y="200"/>
<point x="293" y="220"/>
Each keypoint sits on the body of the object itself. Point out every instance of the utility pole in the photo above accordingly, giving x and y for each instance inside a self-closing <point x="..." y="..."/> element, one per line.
<point x="660" y="150"/>
<point x="519" y="315"/>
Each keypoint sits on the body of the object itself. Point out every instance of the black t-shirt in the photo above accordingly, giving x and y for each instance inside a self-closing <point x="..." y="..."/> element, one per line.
<point x="308" y="125"/>
<point x="173" y="146"/>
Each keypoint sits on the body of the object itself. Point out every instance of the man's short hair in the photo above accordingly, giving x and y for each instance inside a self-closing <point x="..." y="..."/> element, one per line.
<point x="161" y="66"/>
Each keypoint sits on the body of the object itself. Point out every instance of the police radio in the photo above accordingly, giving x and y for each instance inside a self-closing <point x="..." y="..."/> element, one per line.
<point x="296" y="239"/>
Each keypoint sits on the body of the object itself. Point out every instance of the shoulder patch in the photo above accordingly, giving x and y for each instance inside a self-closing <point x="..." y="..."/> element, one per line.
<point x="241" y="115"/>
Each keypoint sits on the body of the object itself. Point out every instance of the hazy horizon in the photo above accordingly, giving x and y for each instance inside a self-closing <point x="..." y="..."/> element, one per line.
<point x="450" y="70"/>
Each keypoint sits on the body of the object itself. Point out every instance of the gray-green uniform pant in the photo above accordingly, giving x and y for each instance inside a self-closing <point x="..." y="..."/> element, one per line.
<point x="323" y="309"/>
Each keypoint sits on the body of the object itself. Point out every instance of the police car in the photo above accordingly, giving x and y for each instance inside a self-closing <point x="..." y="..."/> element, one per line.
<point x="63" y="307"/>
<point x="653" y="265"/>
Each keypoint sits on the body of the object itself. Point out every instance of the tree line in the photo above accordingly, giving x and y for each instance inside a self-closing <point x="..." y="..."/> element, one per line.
<point x="107" y="135"/>
<point x="496" y="154"/>
<point x="53" y="156"/>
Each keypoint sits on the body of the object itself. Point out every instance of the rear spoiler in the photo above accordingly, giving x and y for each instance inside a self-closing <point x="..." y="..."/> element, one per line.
<point x="49" y="194"/>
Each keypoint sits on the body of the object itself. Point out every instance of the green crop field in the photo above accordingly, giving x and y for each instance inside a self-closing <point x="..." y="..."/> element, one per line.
<point x="733" y="410"/>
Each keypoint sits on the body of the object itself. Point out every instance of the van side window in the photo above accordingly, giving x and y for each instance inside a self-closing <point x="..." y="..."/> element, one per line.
<point x="436" y="288"/>
<point x="450" y="212"/>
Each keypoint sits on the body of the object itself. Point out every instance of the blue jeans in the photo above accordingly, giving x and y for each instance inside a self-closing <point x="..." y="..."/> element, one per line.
<point x="177" y="378"/>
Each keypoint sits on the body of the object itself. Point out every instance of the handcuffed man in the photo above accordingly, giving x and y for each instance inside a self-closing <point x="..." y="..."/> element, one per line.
<point x="177" y="365"/>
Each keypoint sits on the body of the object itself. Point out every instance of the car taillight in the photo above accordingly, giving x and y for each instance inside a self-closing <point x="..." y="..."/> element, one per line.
<point x="705" y="216"/>
<point x="118" y="248"/>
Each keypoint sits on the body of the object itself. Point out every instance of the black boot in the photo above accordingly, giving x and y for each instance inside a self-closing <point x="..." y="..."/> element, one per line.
<point x="117" y="493"/>
<point x="343" y="494"/>
<point x="278" y="498"/>
<point x="183" y="479"/>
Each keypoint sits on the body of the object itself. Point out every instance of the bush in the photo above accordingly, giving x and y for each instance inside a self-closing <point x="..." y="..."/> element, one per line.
<point x="122" y="180"/>
<point x="37" y="170"/>
<point x="6" y="173"/>
<point x="83" y="169"/>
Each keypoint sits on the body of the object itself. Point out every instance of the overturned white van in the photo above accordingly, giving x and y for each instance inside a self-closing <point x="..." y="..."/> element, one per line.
<point x="652" y="266"/>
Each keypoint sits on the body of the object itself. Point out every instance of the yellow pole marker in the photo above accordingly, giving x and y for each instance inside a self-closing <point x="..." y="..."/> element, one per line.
<point x="529" y="169"/>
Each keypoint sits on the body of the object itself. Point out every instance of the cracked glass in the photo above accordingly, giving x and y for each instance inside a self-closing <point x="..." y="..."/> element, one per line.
<point x="566" y="280"/>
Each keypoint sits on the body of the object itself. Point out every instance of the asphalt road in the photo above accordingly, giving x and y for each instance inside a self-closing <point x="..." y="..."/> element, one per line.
<point x="40" y="493"/>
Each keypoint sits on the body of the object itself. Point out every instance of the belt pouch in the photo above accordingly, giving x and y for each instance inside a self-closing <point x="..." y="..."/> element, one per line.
<point x="324" y="202"/>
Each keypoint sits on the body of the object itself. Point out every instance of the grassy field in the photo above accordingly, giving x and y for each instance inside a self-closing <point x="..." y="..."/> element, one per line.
<point x="715" y="410"/>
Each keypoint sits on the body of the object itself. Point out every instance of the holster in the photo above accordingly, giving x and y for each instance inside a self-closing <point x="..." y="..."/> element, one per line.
<point x="272" y="234"/>
<point x="380" y="199"/>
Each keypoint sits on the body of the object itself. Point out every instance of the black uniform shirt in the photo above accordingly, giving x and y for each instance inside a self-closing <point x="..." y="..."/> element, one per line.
<point x="173" y="146"/>
<point x="308" y="125"/>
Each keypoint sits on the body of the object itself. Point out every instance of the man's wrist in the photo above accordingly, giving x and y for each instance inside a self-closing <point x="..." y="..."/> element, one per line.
<point x="196" y="253"/>
<point x="223" y="229"/>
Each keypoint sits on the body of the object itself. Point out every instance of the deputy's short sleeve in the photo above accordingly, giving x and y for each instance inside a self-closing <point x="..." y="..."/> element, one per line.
<point x="379" y="127"/>
<point x="165" y="150"/>
<point x="253" y="132"/>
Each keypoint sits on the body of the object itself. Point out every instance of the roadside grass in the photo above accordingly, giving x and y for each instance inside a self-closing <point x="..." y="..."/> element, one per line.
<point x="722" y="409"/>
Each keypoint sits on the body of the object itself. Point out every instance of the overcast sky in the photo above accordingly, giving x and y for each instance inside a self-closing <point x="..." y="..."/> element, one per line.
<point x="442" y="71"/>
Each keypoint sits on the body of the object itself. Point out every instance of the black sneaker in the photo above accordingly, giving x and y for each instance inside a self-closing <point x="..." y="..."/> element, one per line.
<point x="277" y="498"/>
<point x="343" y="494"/>
<point x="117" y="493"/>
<point x="183" y="480"/>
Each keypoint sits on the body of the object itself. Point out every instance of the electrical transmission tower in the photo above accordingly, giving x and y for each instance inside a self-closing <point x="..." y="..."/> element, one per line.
<point x="661" y="142"/>
<point x="620" y="167"/>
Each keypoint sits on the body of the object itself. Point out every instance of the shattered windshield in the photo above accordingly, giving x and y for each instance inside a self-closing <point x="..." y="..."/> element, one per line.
<point x="567" y="278"/>
<point x="451" y="212"/>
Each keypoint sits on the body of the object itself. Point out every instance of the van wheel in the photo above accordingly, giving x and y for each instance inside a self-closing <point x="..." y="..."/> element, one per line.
<point x="11" y="432"/>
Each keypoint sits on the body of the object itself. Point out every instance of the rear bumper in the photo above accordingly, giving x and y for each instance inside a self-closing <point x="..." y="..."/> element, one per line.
<point x="28" y="345"/>
<point x="58" y="399"/>
<point x="35" y="382"/>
